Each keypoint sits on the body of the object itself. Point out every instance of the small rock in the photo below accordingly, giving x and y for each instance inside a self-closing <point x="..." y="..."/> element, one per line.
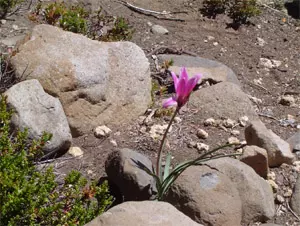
<point x="3" y="21"/>
<point x="149" y="24"/>
<point x="177" y="119"/>
<point x="271" y="176"/>
<point x="276" y="63"/>
<point x="255" y="100"/>
<point x="223" y="50"/>
<point x="102" y="131"/>
<point x="233" y="140"/>
<point x="215" y="43"/>
<point x="229" y="123"/>
<point x="296" y="166"/>
<point x="235" y="132"/>
<point x="287" y="100"/>
<point x="157" y="130"/>
<point x="157" y="29"/>
<point x="257" y="158"/>
<point x="15" y="27"/>
<point x="114" y="143"/>
<point x="257" y="81"/>
<point x="202" y="147"/>
<point x="260" y="41"/>
<point x="202" y="134"/>
<point x="273" y="185"/>
<point x="192" y="144"/>
<point x="243" y="120"/>
<point x="210" y="122"/>
<point x="267" y="63"/>
<point x="279" y="199"/>
<point x="288" y="193"/>
<point x="210" y="38"/>
<point x="75" y="151"/>
<point x="205" y="41"/>
<point x="279" y="151"/>
<point x="143" y="129"/>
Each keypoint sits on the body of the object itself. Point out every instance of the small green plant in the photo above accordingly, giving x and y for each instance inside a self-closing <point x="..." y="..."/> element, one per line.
<point x="241" y="10"/>
<point x="6" y="6"/>
<point x="53" y="12"/>
<point x="32" y="197"/>
<point x="74" y="20"/>
<point x="279" y="4"/>
<point x="213" y="7"/>
<point x="121" y="31"/>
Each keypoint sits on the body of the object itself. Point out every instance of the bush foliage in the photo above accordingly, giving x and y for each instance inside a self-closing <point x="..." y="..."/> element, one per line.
<point x="33" y="197"/>
<point x="6" y="6"/>
<point x="239" y="10"/>
<point x="76" y="19"/>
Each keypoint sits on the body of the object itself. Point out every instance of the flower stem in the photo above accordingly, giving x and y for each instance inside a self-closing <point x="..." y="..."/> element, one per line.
<point x="158" y="162"/>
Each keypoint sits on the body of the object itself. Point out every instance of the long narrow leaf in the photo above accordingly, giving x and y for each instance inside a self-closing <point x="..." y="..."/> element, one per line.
<point x="167" y="166"/>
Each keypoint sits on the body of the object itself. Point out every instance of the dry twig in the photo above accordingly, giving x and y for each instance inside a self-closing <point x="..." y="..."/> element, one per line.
<point x="169" y="50"/>
<point x="151" y="12"/>
<point x="290" y="209"/>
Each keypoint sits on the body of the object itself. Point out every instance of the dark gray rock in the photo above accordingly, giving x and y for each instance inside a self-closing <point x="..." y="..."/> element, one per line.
<point x="122" y="168"/>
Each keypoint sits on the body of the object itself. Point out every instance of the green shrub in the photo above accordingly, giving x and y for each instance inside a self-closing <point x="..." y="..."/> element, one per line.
<point x="74" y="20"/>
<point x="32" y="197"/>
<point x="238" y="10"/>
<point x="6" y="6"/>
<point x="213" y="7"/>
<point x="241" y="10"/>
<point x="121" y="31"/>
<point x="53" y="12"/>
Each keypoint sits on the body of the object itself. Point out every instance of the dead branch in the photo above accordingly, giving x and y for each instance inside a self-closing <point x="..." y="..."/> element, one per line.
<point x="151" y="12"/>
<point x="169" y="50"/>
<point x="290" y="209"/>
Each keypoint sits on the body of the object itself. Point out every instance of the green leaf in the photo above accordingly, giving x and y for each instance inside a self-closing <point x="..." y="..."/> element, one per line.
<point x="167" y="166"/>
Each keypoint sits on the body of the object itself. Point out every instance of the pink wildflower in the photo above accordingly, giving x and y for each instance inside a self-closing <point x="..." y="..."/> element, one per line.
<point x="183" y="87"/>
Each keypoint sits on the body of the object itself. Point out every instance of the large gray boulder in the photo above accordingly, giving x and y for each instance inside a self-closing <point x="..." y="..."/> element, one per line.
<point x="123" y="168"/>
<point x="223" y="192"/>
<point x="96" y="82"/>
<point x="39" y="112"/>
<point x="207" y="196"/>
<point x="279" y="151"/>
<point x="255" y="193"/>
<point x="146" y="213"/>
<point x="212" y="70"/>
<point x="217" y="102"/>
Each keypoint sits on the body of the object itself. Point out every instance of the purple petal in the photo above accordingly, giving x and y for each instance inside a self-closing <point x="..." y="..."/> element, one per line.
<point x="175" y="79"/>
<point x="180" y="90"/>
<point x="183" y="74"/>
<point x="192" y="83"/>
<point x="169" y="102"/>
